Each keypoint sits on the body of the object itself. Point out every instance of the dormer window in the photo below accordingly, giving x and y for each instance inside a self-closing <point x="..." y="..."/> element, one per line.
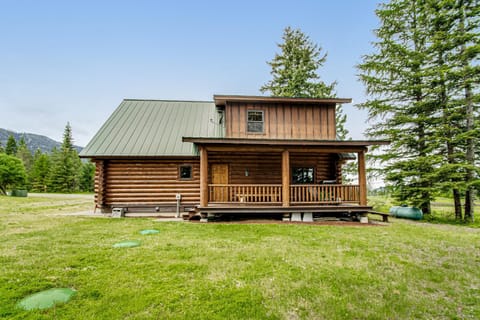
<point x="255" y="121"/>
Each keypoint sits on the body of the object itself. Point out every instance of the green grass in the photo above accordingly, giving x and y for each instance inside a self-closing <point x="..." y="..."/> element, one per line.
<point x="405" y="270"/>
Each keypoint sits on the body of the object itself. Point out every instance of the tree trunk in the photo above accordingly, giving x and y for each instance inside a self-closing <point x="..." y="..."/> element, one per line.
<point x="426" y="206"/>
<point x="456" y="193"/>
<point x="469" y="204"/>
<point x="457" y="203"/>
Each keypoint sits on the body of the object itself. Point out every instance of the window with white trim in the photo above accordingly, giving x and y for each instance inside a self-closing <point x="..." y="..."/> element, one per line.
<point x="255" y="121"/>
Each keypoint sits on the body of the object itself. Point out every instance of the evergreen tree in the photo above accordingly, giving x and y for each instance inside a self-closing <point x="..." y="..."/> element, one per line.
<point x="67" y="142"/>
<point x="54" y="178"/>
<point x="2" y="150"/>
<point x="294" y="70"/>
<point x="66" y="165"/>
<point x="394" y="77"/>
<point x="87" y="178"/>
<point x="295" y="73"/>
<point x="468" y="40"/>
<point x="24" y="154"/>
<point x="440" y="70"/>
<point x="40" y="171"/>
<point x="11" y="147"/>
<point x="423" y="80"/>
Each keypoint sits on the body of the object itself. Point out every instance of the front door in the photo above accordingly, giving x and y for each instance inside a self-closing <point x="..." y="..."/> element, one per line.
<point x="220" y="177"/>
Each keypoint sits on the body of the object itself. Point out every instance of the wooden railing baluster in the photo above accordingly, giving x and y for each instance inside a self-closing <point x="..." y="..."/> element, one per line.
<point x="272" y="194"/>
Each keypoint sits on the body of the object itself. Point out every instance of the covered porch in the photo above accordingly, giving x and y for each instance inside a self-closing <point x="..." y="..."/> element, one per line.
<point x="267" y="175"/>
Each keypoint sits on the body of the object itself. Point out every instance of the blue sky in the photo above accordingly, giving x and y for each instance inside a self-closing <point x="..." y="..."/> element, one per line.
<point x="76" y="60"/>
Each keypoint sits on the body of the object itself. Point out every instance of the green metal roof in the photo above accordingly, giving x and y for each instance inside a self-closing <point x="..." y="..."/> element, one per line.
<point x="154" y="128"/>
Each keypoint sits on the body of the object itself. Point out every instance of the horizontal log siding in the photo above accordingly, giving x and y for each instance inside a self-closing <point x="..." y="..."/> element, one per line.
<point x="262" y="168"/>
<point x="148" y="182"/>
<point x="266" y="168"/>
<point x="99" y="183"/>
<point x="282" y="121"/>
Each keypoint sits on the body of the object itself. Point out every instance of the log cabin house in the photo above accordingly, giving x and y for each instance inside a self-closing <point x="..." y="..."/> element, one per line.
<point x="235" y="155"/>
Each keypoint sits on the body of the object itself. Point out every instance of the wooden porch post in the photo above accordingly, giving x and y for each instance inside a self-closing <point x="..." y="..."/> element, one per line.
<point x="286" y="178"/>
<point x="203" y="177"/>
<point x="362" y="178"/>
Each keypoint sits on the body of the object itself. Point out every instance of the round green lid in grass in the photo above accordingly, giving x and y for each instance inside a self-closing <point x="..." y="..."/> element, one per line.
<point x="46" y="299"/>
<point x="127" y="244"/>
<point x="149" y="231"/>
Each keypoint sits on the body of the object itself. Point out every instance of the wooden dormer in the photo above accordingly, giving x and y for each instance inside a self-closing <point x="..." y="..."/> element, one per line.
<point x="256" y="117"/>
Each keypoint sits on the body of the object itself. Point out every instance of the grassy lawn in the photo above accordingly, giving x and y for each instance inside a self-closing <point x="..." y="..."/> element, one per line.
<point x="405" y="270"/>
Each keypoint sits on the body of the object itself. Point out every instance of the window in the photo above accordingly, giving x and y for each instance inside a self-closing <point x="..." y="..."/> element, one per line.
<point x="254" y="121"/>
<point x="185" y="172"/>
<point x="302" y="175"/>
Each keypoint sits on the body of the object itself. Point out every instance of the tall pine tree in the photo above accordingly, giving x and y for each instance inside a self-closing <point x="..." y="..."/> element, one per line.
<point x="421" y="81"/>
<point x="468" y="40"/>
<point x="40" y="172"/>
<point x="295" y="73"/>
<point x="394" y="79"/>
<point x="24" y="154"/>
<point x="66" y="165"/>
<point x="11" y="147"/>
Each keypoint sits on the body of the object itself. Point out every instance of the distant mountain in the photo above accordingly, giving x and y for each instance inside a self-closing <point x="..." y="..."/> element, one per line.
<point x="33" y="141"/>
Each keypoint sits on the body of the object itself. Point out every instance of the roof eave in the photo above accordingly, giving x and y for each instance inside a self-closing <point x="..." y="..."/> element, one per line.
<point x="289" y="142"/>
<point x="112" y="156"/>
<point x="221" y="100"/>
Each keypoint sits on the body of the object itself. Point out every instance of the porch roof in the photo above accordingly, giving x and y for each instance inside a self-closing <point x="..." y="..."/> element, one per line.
<point x="339" y="146"/>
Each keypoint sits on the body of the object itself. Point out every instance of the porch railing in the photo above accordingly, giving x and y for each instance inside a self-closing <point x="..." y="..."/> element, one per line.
<point x="324" y="193"/>
<point x="272" y="193"/>
<point x="248" y="193"/>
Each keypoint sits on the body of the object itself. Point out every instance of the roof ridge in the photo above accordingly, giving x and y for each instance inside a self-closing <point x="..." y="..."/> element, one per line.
<point x="168" y="100"/>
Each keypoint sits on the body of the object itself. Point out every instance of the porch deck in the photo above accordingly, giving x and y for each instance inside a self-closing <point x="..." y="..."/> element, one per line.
<point x="269" y="209"/>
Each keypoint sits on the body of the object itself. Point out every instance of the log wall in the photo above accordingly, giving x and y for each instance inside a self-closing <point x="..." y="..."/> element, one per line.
<point x="146" y="182"/>
<point x="282" y="121"/>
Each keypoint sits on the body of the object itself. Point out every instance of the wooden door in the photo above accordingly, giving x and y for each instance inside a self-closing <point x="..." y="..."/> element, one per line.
<point x="220" y="176"/>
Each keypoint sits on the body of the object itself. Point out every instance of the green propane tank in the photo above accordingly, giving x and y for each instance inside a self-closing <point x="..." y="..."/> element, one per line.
<point x="406" y="212"/>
